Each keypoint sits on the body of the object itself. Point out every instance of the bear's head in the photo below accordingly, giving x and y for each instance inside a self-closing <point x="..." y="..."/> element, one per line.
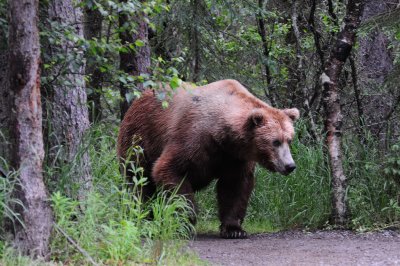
<point x="272" y="132"/>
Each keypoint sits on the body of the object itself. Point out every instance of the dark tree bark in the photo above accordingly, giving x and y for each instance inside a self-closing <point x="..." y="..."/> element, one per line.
<point x="316" y="34"/>
<point x="375" y="59"/>
<point x="133" y="62"/>
<point x="357" y="96"/>
<point x="69" y="117"/>
<point x="93" y="28"/>
<point x="4" y="95"/>
<point x="195" y="40"/>
<point x="26" y="127"/>
<point x="5" y="107"/>
<point x="266" y="52"/>
<point x="331" y="102"/>
<point x="300" y="72"/>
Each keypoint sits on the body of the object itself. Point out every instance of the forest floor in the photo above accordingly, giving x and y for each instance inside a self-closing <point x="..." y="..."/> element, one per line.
<point x="336" y="247"/>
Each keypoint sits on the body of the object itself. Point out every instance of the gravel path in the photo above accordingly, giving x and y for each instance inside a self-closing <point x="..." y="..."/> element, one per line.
<point x="302" y="248"/>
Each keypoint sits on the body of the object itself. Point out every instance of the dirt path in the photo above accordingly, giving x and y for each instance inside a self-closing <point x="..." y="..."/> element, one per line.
<point x="302" y="248"/>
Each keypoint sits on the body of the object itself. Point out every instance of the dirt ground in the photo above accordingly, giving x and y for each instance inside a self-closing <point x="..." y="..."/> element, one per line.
<point x="302" y="248"/>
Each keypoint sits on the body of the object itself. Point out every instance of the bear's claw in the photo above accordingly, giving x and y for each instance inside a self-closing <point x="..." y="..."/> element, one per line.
<point x="233" y="233"/>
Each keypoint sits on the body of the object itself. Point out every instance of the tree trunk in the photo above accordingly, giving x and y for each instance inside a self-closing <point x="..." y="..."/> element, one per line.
<point x="93" y="28"/>
<point x="316" y="34"/>
<point x="5" y="107"/>
<point x="195" y="40"/>
<point x="134" y="62"/>
<point x="375" y="58"/>
<point x="26" y="127"/>
<point x="262" y="33"/>
<point x="4" y="97"/>
<point x="300" y="72"/>
<point x="333" y="117"/>
<point x="359" y="103"/>
<point x="69" y="113"/>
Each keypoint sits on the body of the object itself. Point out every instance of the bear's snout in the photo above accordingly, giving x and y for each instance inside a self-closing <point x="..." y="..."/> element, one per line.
<point x="290" y="168"/>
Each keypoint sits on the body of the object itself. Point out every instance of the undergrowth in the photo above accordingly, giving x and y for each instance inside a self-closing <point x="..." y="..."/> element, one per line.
<point x="373" y="194"/>
<point x="111" y="226"/>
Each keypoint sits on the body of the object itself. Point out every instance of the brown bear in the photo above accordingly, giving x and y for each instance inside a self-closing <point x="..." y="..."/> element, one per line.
<point x="217" y="131"/>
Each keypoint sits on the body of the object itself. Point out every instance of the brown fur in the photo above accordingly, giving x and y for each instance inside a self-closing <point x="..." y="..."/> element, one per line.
<point x="218" y="131"/>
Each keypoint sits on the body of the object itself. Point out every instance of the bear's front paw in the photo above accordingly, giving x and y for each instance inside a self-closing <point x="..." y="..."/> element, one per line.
<point x="232" y="232"/>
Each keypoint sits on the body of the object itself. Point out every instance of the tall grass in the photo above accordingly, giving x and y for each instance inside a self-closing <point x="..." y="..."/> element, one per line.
<point x="7" y="199"/>
<point x="373" y="195"/>
<point x="112" y="225"/>
<point x="297" y="200"/>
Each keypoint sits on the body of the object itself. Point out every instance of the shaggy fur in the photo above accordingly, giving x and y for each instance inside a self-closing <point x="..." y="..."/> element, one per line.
<point x="218" y="131"/>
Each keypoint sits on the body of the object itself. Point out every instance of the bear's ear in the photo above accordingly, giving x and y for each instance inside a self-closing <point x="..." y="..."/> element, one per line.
<point x="256" y="118"/>
<point x="293" y="113"/>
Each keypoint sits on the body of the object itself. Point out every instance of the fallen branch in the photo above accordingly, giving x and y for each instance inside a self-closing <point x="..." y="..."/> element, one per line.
<point x="80" y="249"/>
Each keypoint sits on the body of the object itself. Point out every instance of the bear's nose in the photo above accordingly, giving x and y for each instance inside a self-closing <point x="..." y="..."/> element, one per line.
<point x="290" y="167"/>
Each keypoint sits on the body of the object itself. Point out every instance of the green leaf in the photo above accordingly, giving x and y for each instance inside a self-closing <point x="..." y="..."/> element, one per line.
<point x="160" y="59"/>
<point x="122" y="79"/>
<point x="139" y="43"/>
<point x="386" y="171"/>
<point x="175" y="82"/>
<point x="137" y="94"/>
<point x="149" y="83"/>
<point x="164" y="104"/>
<point x="129" y="96"/>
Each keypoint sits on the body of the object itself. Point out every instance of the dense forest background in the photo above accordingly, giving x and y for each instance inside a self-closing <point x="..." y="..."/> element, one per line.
<point x="69" y="69"/>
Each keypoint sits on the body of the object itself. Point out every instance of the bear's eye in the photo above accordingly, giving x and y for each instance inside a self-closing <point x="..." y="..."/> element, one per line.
<point x="276" y="143"/>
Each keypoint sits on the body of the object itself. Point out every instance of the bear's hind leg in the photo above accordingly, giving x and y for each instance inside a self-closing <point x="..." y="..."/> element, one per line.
<point x="233" y="193"/>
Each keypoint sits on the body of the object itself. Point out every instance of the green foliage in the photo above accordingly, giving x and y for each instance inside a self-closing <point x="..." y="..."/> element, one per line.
<point x="112" y="224"/>
<point x="392" y="167"/>
<point x="299" y="200"/>
<point x="372" y="196"/>
<point x="7" y="199"/>
<point x="11" y="257"/>
<point x="67" y="55"/>
<point x="230" y="44"/>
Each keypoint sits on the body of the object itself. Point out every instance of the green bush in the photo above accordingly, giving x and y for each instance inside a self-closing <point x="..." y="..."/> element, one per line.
<point x="372" y="194"/>
<point x="112" y="224"/>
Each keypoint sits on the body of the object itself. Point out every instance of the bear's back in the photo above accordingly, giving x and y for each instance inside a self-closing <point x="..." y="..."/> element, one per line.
<point x="194" y="115"/>
<point x="220" y="104"/>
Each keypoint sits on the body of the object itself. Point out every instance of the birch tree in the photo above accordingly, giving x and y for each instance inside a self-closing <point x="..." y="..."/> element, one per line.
<point x="331" y="100"/>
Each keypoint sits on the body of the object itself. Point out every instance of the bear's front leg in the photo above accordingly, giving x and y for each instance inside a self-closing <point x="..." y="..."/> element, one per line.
<point x="233" y="193"/>
<point x="166" y="173"/>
